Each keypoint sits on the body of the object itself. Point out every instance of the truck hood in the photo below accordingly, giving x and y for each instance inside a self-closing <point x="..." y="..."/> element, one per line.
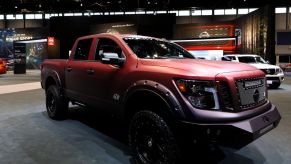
<point x="264" y="66"/>
<point x="199" y="67"/>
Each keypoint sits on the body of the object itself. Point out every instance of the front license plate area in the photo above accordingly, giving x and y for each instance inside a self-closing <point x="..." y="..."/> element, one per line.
<point x="265" y="122"/>
<point x="269" y="82"/>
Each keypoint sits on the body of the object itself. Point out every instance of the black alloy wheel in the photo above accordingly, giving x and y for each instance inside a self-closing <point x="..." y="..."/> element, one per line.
<point x="56" y="105"/>
<point x="151" y="139"/>
<point x="51" y="103"/>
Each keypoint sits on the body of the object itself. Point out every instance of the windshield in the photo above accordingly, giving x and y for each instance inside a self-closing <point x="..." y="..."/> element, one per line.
<point x="149" y="48"/>
<point x="251" y="59"/>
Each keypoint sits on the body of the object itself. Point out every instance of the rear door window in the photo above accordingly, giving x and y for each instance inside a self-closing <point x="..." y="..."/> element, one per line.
<point x="247" y="59"/>
<point x="83" y="49"/>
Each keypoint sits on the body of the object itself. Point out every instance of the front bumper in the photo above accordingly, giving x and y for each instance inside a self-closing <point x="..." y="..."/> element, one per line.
<point x="275" y="79"/>
<point x="234" y="134"/>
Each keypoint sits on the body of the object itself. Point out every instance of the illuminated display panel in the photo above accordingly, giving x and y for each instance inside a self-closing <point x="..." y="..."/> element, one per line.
<point x="210" y="37"/>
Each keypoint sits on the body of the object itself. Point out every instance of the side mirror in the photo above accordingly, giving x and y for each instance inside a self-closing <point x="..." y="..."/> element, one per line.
<point x="112" y="58"/>
<point x="267" y="62"/>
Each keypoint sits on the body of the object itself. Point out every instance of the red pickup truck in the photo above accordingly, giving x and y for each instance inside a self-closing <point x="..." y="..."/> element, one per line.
<point x="166" y="96"/>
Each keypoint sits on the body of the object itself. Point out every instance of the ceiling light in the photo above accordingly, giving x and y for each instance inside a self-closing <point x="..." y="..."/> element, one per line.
<point x="81" y="4"/>
<point x="15" y="7"/>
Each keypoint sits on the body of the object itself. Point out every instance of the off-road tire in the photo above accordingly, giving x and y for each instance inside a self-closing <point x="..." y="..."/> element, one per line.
<point x="151" y="140"/>
<point x="56" y="105"/>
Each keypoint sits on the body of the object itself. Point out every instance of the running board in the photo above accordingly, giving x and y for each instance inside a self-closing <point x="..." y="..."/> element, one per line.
<point x="77" y="103"/>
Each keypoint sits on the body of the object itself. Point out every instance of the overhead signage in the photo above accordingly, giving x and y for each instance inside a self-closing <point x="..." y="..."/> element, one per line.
<point x="50" y="41"/>
<point x="18" y="37"/>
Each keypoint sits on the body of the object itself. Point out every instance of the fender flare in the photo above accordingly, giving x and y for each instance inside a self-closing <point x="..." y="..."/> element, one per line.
<point x="158" y="89"/>
<point x="54" y="74"/>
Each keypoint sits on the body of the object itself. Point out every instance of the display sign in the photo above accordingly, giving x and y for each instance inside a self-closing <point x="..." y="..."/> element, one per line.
<point x="50" y="41"/>
<point x="10" y="35"/>
<point x="19" y="58"/>
<point x="207" y="37"/>
<point x="18" y="37"/>
<point x="225" y="44"/>
<point x="283" y="38"/>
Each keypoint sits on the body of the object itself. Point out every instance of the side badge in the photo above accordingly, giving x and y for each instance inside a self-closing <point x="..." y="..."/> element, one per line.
<point x="116" y="96"/>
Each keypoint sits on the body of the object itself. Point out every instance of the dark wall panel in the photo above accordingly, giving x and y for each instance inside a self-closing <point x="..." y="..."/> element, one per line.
<point x="33" y="23"/>
<point x="15" y="24"/>
<point x="283" y="38"/>
<point x="156" y="25"/>
<point x="258" y="32"/>
<point x="67" y="29"/>
<point x="2" y="24"/>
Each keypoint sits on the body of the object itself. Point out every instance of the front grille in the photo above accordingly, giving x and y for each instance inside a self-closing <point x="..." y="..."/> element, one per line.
<point x="251" y="92"/>
<point x="273" y="78"/>
<point x="270" y="71"/>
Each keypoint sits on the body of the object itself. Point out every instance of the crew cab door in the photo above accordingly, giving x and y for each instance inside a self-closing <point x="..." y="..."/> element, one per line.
<point x="76" y="71"/>
<point x="104" y="82"/>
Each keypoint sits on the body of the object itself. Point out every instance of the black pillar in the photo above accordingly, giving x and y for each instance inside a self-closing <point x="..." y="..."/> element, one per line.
<point x="270" y="44"/>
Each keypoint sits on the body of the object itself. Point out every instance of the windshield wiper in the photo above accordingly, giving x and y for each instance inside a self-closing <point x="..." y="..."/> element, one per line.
<point x="176" y="57"/>
<point x="160" y="57"/>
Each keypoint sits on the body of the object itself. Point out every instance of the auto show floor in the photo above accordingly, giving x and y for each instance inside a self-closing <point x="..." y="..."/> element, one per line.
<point x="27" y="135"/>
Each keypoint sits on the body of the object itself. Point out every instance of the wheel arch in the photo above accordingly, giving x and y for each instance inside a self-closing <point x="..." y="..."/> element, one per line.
<point x="152" y="94"/>
<point x="52" y="78"/>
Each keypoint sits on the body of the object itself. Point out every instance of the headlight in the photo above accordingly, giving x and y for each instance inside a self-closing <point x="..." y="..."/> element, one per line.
<point x="201" y="94"/>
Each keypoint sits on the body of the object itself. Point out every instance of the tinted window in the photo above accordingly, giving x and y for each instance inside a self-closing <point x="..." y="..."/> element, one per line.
<point x="107" y="46"/>
<point x="83" y="49"/>
<point x="247" y="59"/>
<point x="158" y="49"/>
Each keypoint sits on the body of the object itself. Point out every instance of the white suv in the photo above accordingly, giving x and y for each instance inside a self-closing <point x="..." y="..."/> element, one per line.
<point x="274" y="74"/>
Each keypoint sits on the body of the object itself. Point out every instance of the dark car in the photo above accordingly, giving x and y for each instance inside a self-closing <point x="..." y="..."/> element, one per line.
<point x="3" y="67"/>
<point x="9" y="63"/>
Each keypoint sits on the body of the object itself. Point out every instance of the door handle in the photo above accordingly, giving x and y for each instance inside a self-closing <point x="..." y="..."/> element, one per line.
<point x="90" y="71"/>
<point x="69" y="69"/>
